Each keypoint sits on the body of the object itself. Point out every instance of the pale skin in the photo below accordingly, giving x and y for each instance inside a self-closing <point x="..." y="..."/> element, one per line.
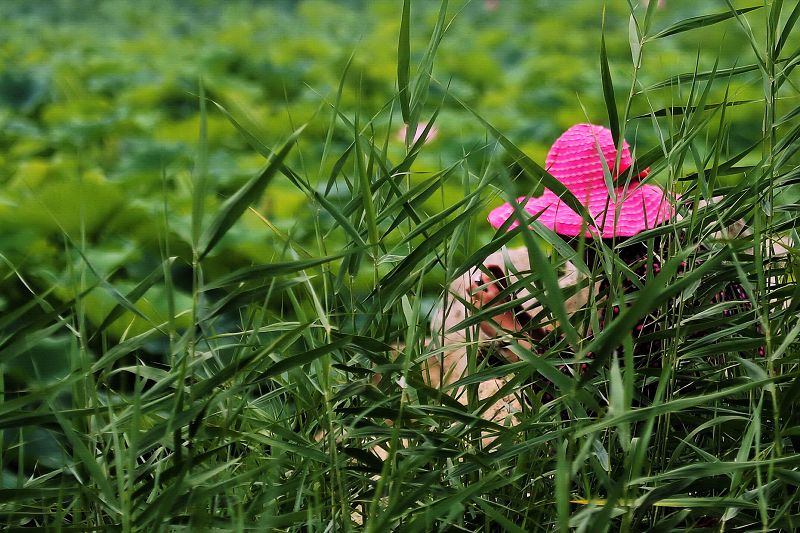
<point x="480" y="288"/>
<point x="486" y="290"/>
<point x="473" y="291"/>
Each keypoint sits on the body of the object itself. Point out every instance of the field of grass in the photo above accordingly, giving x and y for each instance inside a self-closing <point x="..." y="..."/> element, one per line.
<point x="214" y="237"/>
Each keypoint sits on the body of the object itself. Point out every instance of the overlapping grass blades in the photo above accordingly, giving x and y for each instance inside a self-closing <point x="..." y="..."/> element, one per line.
<point x="287" y="398"/>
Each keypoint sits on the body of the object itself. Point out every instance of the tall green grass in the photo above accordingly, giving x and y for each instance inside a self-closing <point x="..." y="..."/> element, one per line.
<point x="265" y="412"/>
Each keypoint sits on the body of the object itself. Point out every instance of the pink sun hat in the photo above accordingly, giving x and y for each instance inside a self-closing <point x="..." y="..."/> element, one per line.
<point x="574" y="161"/>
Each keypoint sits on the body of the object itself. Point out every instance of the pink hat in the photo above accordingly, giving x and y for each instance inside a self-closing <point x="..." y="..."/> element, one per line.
<point x="574" y="161"/>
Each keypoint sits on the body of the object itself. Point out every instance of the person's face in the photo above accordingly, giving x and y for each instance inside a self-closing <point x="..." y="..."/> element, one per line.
<point x="486" y="288"/>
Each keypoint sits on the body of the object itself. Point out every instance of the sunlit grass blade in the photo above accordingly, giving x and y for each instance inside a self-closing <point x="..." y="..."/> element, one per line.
<point x="86" y="458"/>
<point x="366" y="191"/>
<point x="332" y="126"/>
<point x="422" y="80"/>
<point x="135" y="294"/>
<point x="679" y="79"/>
<point x="608" y="89"/>
<point x="412" y="262"/>
<point x="791" y="20"/>
<point x="680" y="110"/>
<point x="236" y="205"/>
<point x="200" y="175"/>
<point x="700" y="22"/>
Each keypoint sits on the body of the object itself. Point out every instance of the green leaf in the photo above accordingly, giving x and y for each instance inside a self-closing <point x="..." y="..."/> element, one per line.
<point x="552" y="297"/>
<point x="787" y="29"/>
<point x="700" y="22"/>
<point x="87" y="458"/>
<point x="403" y="63"/>
<point x="331" y="127"/>
<point x="681" y="110"/>
<point x="134" y="295"/>
<point x="233" y="207"/>
<point x="608" y="91"/>
<point x="686" y="77"/>
<point x="257" y="273"/>
<point x="635" y="42"/>
<point x="200" y="174"/>
<point x="425" y="70"/>
<point x="563" y="479"/>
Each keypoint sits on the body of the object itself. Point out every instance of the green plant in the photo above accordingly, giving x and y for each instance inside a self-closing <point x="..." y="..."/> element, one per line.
<point x="189" y="376"/>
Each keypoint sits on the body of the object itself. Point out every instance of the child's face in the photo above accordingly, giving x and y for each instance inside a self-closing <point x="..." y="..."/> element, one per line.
<point x="484" y="289"/>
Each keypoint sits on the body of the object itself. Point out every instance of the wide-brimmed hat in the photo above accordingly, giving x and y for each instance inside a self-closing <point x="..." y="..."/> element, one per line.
<point x="574" y="160"/>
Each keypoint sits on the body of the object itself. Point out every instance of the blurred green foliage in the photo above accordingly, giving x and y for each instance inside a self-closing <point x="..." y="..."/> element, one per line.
<point x="99" y="120"/>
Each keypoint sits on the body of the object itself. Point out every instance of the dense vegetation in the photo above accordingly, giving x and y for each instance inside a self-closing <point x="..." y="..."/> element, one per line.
<point x="213" y="236"/>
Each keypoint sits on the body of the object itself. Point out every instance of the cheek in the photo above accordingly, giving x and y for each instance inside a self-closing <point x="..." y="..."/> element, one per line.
<point x="491" y="292"/>
<point x="474" y="292"/>
<point x="483" y="297"/>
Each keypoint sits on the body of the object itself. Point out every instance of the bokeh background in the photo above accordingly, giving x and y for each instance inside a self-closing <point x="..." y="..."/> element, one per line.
<point x="100" y="123"/>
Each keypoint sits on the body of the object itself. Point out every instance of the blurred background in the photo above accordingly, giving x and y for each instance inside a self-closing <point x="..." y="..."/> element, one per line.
<point x="99" y="115"/>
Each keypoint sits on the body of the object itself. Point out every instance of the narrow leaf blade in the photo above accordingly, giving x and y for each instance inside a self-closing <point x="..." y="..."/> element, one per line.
<point x="232" y="209"/>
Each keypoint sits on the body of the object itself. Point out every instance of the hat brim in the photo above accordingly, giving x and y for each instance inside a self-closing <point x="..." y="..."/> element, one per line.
<point x="642" y="208"/>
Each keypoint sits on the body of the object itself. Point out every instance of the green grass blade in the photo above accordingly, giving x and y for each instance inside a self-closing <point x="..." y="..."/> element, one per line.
<point x="332" y="125"/>
<point x="135" y="294"/>
<point x="787" y="30"/>
<point x="702" y="21"/>
<point x="236" y="205"/>
<point x="200" y="175"/>
<point x="674" y="111"/>
<point x="424" y="71"/>
<point x="366" y="192"/>
<point x="403" y="63"/>
<point x="608" y="90"/>
<point x="699" y="76"/>
<point x="257" y="273"/>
